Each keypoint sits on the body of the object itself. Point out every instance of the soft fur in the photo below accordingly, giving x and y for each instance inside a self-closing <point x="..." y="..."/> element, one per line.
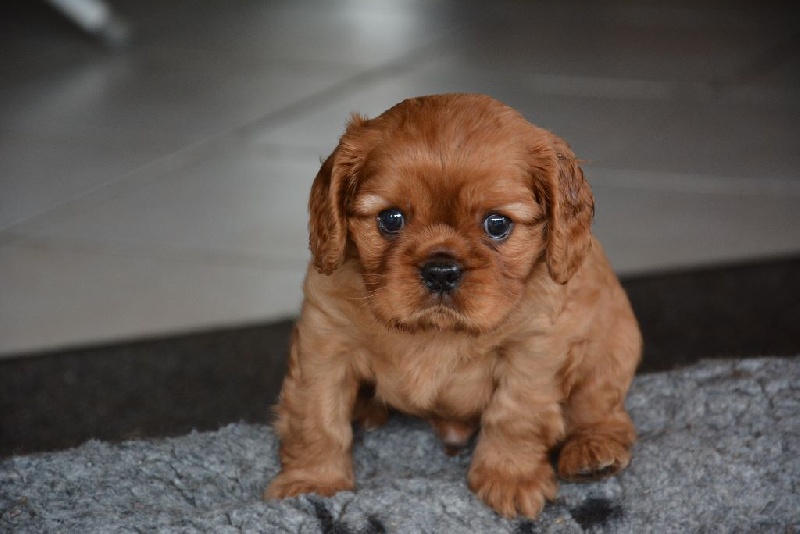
<point x="535" y="348"/>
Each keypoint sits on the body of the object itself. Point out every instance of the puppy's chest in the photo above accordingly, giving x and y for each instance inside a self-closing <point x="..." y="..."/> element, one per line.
<point x="435" y="380"/>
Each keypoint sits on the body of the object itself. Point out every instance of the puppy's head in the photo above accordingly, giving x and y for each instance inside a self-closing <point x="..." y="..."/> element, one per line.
<point x="448" y="203"/>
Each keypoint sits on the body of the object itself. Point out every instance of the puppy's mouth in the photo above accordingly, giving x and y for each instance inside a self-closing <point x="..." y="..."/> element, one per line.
<point x="438" y="316"/>
<point x="442" y="303"/>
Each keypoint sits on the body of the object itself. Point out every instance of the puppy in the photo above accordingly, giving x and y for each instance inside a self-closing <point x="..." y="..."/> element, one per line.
<point x="454" y="277"/>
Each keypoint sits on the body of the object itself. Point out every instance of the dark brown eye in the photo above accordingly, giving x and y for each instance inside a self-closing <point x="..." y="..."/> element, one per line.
<point x="497" y="226"/>
<point x="391" y="221"/>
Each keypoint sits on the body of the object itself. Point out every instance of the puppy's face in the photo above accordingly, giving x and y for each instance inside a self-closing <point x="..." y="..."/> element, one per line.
<point x="448" y="204"/>
<point x="445" y="238"/>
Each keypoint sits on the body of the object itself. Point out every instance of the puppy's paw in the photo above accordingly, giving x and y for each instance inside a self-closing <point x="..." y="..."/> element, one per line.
<point x="455" y="434"/>
<point x="588" y="457"/>
<point x="513" y="494"/>
<point x="370" y="414"/>
<point x="293" y="483"/>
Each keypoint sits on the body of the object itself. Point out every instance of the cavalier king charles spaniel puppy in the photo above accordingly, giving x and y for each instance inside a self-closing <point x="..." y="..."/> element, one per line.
<point x="454" y="277"/>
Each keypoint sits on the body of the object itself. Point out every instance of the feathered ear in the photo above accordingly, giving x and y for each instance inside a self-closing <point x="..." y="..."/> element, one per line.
<point x="570" y="210"/>
<point x="334" y="185"/>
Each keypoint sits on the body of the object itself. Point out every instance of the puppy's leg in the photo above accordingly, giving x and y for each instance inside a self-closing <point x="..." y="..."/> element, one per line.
<point x="369" y="412"/>
<point x="600" y="432"/>
<point x="454" y="433"/>
<point x="511" y="471"/>
<point x="314" y="421"/>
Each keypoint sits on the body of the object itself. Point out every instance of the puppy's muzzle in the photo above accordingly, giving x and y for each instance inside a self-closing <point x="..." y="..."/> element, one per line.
<point x="441" y="274"/>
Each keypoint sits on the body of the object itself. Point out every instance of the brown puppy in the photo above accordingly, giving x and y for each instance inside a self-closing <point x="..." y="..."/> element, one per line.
<point x="454" y="274"/>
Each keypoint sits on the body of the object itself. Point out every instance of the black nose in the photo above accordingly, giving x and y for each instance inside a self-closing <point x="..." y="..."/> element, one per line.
<point x="441" y="275"/>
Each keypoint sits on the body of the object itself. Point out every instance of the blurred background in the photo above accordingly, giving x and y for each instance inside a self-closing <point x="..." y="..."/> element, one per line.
<point x="154" y="170"/>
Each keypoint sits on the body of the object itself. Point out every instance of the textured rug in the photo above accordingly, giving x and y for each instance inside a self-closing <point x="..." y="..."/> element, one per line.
<point x="719" y="450"/>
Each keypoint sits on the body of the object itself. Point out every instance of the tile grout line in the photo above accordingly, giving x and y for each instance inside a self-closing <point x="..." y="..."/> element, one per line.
<point x="691" y="182"/>
<point x="153" y="251"/>
<point x="102" y="192"/>
<point x="313" y="102"/>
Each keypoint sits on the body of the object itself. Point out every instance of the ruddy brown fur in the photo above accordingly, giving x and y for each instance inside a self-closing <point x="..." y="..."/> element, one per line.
<point x="534" y="349"/>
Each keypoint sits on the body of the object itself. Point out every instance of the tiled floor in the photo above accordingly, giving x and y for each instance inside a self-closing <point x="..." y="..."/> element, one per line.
<point x="162" y="187"/>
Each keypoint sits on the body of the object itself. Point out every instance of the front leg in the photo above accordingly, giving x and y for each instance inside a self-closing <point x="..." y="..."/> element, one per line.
<point x="510" y="470"/>
<point x="600" y="432"/>
<point x="314" y="420"/>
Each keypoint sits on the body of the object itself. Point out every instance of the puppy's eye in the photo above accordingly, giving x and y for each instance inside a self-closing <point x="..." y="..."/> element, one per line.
<point x="497" y="226"/>
<point x="391" y="221"/>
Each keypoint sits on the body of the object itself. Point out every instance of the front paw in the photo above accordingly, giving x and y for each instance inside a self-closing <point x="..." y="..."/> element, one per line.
<point x="297" y="482"/>
<point x="588" y="457"/>
<point x="512" y="494"/>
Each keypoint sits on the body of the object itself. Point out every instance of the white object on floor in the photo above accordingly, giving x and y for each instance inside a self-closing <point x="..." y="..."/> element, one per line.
<point x="94" y="17"/>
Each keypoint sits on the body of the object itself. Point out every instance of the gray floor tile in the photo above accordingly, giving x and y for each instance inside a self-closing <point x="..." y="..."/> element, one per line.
<point x="40" y="172"/>
<point x="160" y="93"/>
<point x="360" y="33"/>
<point x="663" y="41"/>
<point x="594" y="125"/>
<point x="98" y="124"/>
<point x="245" y="202"/>
<point x="132" y="95"/>
<point x="63" y="295"/>
<point x="663" y="223"/>
<point x="720" y="138"/>
<point x="774" y="83"/>
<point x="646" y="131"/>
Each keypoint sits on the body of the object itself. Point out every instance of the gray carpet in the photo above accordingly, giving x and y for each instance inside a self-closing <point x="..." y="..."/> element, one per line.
<point x="719" y="450"/>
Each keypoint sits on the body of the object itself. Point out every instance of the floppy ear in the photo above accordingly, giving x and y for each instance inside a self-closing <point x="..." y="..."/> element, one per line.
<point x="333" y="187"/>
<point x="570" y="210"/>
